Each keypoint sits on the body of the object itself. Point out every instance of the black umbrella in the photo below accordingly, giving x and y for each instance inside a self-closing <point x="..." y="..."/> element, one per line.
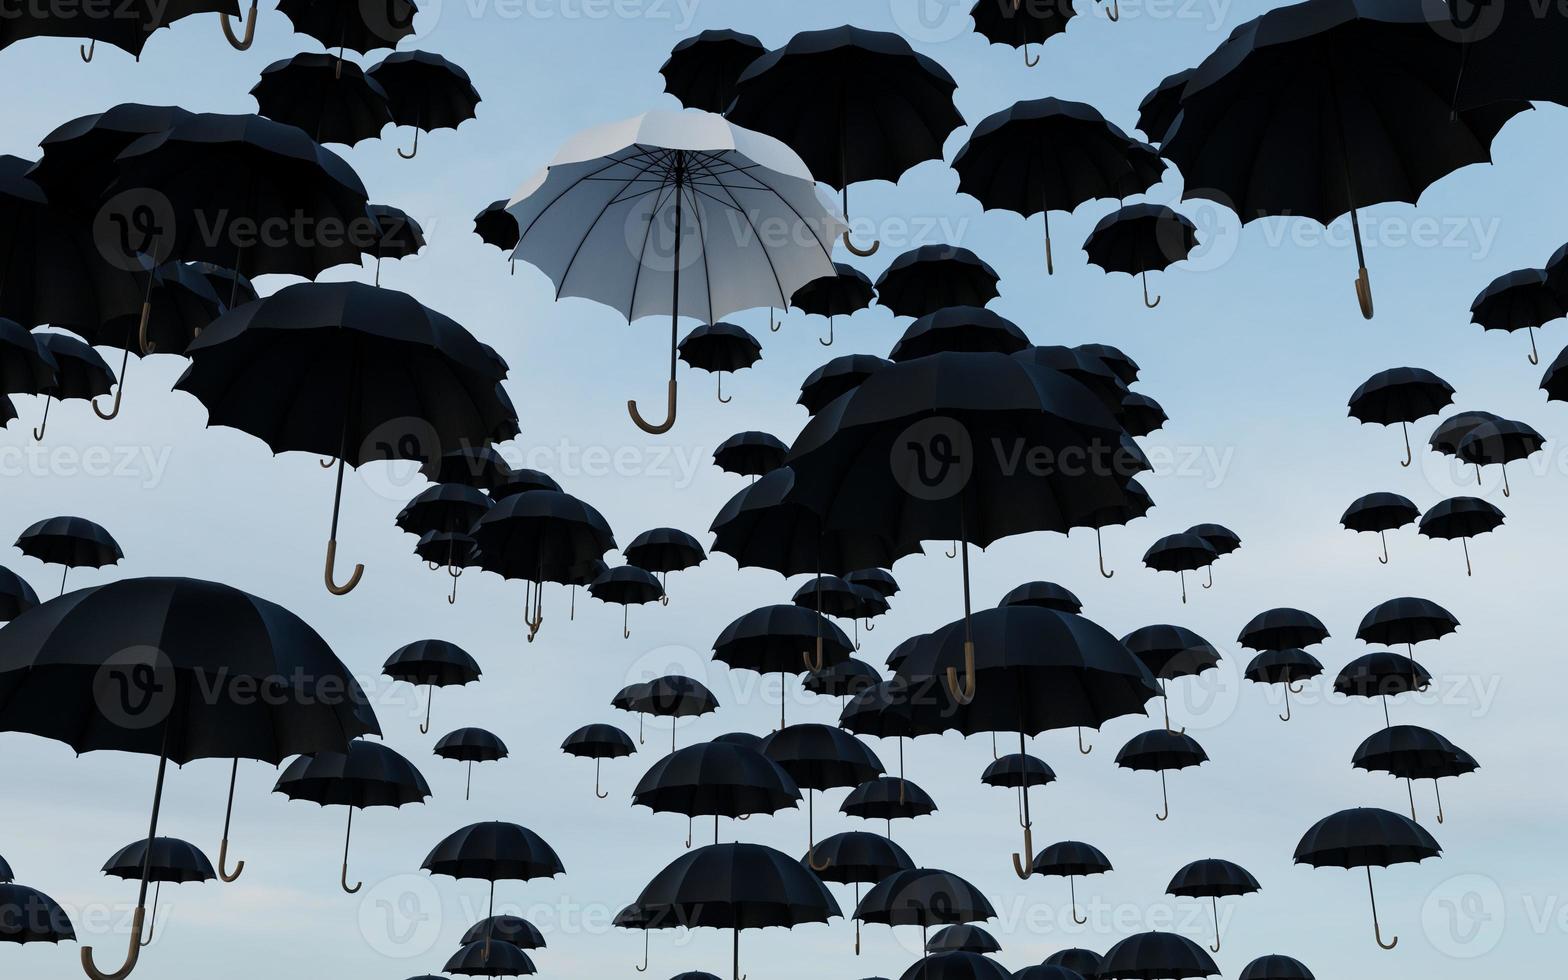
<point x="1213" y="879"/>
<point x="1381" y="674"/>
<point x="720" y="347"/>
<point x="663" y="550"/>
<point x="820" y="757"/>
<point x="1462" y="518"/>
<point x="368" y="774"/>
<point x="844" y="293"/>
<point x="80" y="374"/>
<point x="1141" y="415"/>
<point x="702" y="69"/>
<point x="1139" y="239"/>
<point x="598" y="742"/>
<point x="236" y="289"/>
<point x="1380" y="512"/>
<point x="16" y="596"/>
<point x="1282" y="628"/>
<point x="956" y="966"/>
<point x="672" y="696"/>
<point x="425" y="91"/>
<point x="541" y="536"/>
<point x="446" y="508"/>
<point x="1315" y="82"/>
<point x="626" y="586"/>
<point x="1180" y="553"/>
<point x="435" y="663"/>
<point x="1137" y="503"/>
<point x="1408" y="620"/>
<point x="1084" y="962"/>
<point x="1046" y="595"/>
<point x="1451" y="431"/>
<point x="883" y="710"/>
<point x="1148" y="955"/>
<point x="888" y="798"/>
<point x="512" y="929"/>
<point x="1052" y="155"/>
<point x="1499" y="442"/>
<point x="966" y="938"/>
<point x="1162" y="105"/>
<point x="878" y="580"/>
<point x="1161" y="751"/>
<point x="313" y="91"/>
<point x="1018" y="771"/>
<point x="78" y="162"/>
<point x="32" y="917"/>
<point x="1364" y="838"/>
<point x="1221" y="538"/>
<point x="524" y="481"/>
<point x="1070" y="859"/>
<point x="750" y="454"/>
<point x="842" y="680"/>
<point x="480" y="467"/>
<point x="352" y="28"/>
<point x="935" y="277"/>
<point x="1019" y="23"/>
<point x="836" y="377"/>
<point x="163" y="859"/>
<point x="25" y="367"/>
<point x="715" y="779"/>
<point x="471" y="745"/>
<point x="964" y="329"/>
<point x="490" y="958"/>
<point x="781" y="640"/>
<point x="1521" y="300"/>
<point x="857" y="858"/>
<point x="172" y="667"/>
<point x="396" y="235"/>
<point x="924" y="897"/>
<point x="453" y="549"/>
<point x="1410" y="752"/>
<point x="1171" y="652"/>
<point x="496" y="226"/>
<point x="1503" y="51"/>
<point x="731" y="886"/>
<point x="855" y="104"/>
<point x="831" y="595"/>
<point x="72" y="542"/>
<point x="7" y="411"/>
<point x="127" y="26"/>
<point x="1275" y="967"/>
<point x="1287" y="667"/>
<point x="493" y="851"/>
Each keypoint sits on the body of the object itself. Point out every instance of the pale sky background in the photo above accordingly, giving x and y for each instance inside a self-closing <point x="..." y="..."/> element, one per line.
<point x="1253" y="353"/>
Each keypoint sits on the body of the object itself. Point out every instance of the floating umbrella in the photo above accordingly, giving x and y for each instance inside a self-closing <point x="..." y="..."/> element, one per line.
<point x="480" y="467"/>
<point x="855" y="104"/>
<point x="837" y="377"/>
<point x="702" y="69"/>
<point x="936" y="277"/>
<point x="1159" y="109"/>
<point x="352" y="28"/>
<point x="435" y="663"/>
<point x="1519" y="300"/>
<point x="512" y="929"/>
<point x="888" y="798"/>
<point x="720" y="347"/>
<point x="1084" y="962"/>
<point x="127" y="27"/>
<point x="1161" y="751"/>
<point x="524" y="481"/>
<point x="781" y="640"/>
<point x="493" y="851"/>
<point x="746" y="739"/>
<point x="1139" y="239"/>
<point x="1380" y="512"/>
<point x="857" y="858"/>
<point x="1500" y="442"/>
<point x="626" y="585"/>
<point x="924" y="897"/>
<point x="1275" y="967"/>
<point x="1020" y="24"/>
<point x="1180" y="553"/>
<point x="329" y="98"/>
<point x="1382" y="674"/>
<point x="844" y="292"/>
<point x="164" y="859"/>
<point x="820" y="757"/>
<point x="634" y="181"/>
<point x="830" y="595"/>
<point x="78" y="162"/>
<point x="1316" y="78"/>
<point x="444" y="508"/>
<point x="1452" y="430"/>
<point x="16" y="596"/>
<point x="1462" y="518"/>
<point x="81" y="373"/>
<point x="496" y="226"/>
<point x="1137" y="504"/>
<point x="1156" y="954"/>
<point x="6" y="874"/>
<point x="490" y="958"/>
<point x="541" y="536"/>
<point x="1085" y="367"/>
<point x="233" y="288"/>
<point x="956" y="966"/>
<point x="750" y="454"/>
<point x="1366" y="838"/>
<point x="1406" y="620"/>
<point x="1141" y="415"/>
<point x="1171" y="652"/>
<point x="878" y="580"/>
<point x="967" y="938"/>
<point x="1410" y="752"/>
<point x="1050" y="155"/>
<point x="176" y="647"/>
<point x="672" y="697"/>
<point x="32" y="917"/>
<point x="396" y="236"/>
<point x="368" y="774"/>
<point x="471" y="745"/>
<point x="663" y="550"/>
<point x="598" y="742"/>
<point x="842" y="680"/>
<point x="1221" y="538"/>
<point x="1288" y="667"/>
<point x="1018" y="771"/>
<point x="25" y="367"/>
<point x="1502" y="51"/>
<point x="453" y="549"/>
<point x="883" y="711"/>
<point x="1281" y="629"/>
<point x="1070" y="859"/>
<point x="425" y="91"/>
<point x="715" y="779"/>
<point x="1213" y="879"/>
<point x="7" y="411"/>
<point x="71" y="542"/>
<point x="964" y="329"/>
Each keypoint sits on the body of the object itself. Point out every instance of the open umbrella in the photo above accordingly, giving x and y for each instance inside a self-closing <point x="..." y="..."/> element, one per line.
<point x="1380" y="512"/>
<point x="1499" y="442"/>
<point x="448" y="510"/>
<point x="425" y="91"/>
<point x="1139" y="239"/>
<point x="1282" y="628"/>
<point x="1451" y="431"/>
<point x="1148" y="955"/>
<point x="1408" y="620"/>
<point x="1288" y="667"/>
<point x="490" y="958"/>
<point x="883" y="710"/>
<point x="523" y="480"/>
<point x="16" y="596"/>
<point x="836" y="377"/>
<point x="32" y="917"/>
<point x="888" y="798"/>
<point x="857" y="858"/>
<point x="672" y="696"/>
<point x="1162" y="105"/>
<point x="164" y="859"/>
<point x="452" y="549"/>
<point x="720" y="347"/>
<point x="715" y="779"/>
<point x="541" y="536"/>
<point x="626" y="585"/>
<point x="598" y="742"/>
<point x="1410" y="752"/>
<point x="512" y="929"/>
<point x="1221" y="538"/>
<point x="965" y="329"/>
<point x="496" y="226"/>
<point x="25" y="367"/>
<point x="1137" y="503"/>
<point x="1212" y="879"/>
<point x="1070" y="859"/>
<point x="1171" y="652"/>
<point x="878" y="580"/>
<point x="1161" y="751"/>
<point x="843" y="292"/>
<point x="435" y="663"/>
<point x="688" y="191"/>
<point x="820" y="757"/>
<point x="127" y="26"/>
<point x="1275" y="967"/>
<point x="924" y="897"/>
<point x="1366" y="837"/>
<point x="1555" y="381"/>
<point x="80" y="373"/>
<point x="471" y="745"/>
<point x="842" y="680"/>
<point x="750" y="454"/>
<point x="929" y="278"/>
<point x="1503" y="51"/>
<point x="493" y="851"/>
<point x="329" y="98"/>
<point x="1020" y="23"/>
<point x="1084" y="962"/>
<point x="1462" y="518"/>
<point x="781" y="640"/>
<point x="702" y="69"/>
<point x="351" y="27"/>
<point x="1521" y="300"/>
<point x="1381" y="674"/>
<point x="396" y="235"/>
<point x="954" y="965"/>
<point x="966" y="938"/>
<point x="1180" y="553"/>
<point x="663" y="550"/>
<point x="1018" y="771"/>
<point x="71" y="542"/>
<point x="1141" y="415"/>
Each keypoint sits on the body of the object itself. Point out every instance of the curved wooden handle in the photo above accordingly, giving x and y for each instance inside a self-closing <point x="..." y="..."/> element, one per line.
<point x="137" y="918"/>
<point x="328" y="573"/>
<point x="241" y="43"/>
<point x="662" y="427"/>
<point x="965" y="693"/>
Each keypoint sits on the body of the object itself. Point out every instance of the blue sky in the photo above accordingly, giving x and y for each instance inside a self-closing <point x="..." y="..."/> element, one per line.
<point x="1253" y="353"/>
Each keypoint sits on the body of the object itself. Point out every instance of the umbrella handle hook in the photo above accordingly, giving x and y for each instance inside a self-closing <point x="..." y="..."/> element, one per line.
<point x="1409" y="457"/>
<point x="87" y="51"/>
<point x="829" y="341"/>
<point x="42" y="427"/>
<point x="644" y="967"/>
<point x="964" y="694"/>
<point x="1081" y="749"/>
<point x="241" y="43"/>
<point x="601" y="794"/>
<point x="343" y="878"/>
<point x="815" y="664"/>
<point x="811" y="859"/>
<point x="662" y="427"/>
<point x="1028" y="63"/>
<point x="1165" y="798"/>
<point x="1115" y="13"/>
<point x="1210" y="583"/>
<point x="1020" y="868"/>
<point x="1535" y="356"/>
<point x="774" y="325"/>
<point x="1100" y="551"/>
<point x="223" y="858"/>
<point x="1146" y="301"/>
<point x="722" y="399"/>
<point x="424" y="729"/>
<point x="328" y="574"/>
<point x="1377" y="930"/>
<point x="862" y="252"/>
<point x="413" y="152"/>
<point x="1072" y="894"/>
<point x="119" y="387"/>
<point x="91" y="968"/>
<point x="952" y="552"/>
<point x="1364" y="292"/>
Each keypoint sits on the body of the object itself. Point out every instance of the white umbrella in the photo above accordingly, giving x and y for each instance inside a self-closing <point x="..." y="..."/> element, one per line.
<point x="679" y="213"/>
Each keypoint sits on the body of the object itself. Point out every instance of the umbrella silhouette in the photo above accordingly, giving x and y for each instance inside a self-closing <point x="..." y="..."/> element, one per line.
<point x="663" y="550"/>
<point x="1020" y="24"/>
<point x="471" y="745"/>
<point x="1046" y="595"/>
<point x="888" y="798"/>
<point x="1212" y="879"/>
<point x="1521" y="300"/>
<point x="541" y="536"/>
<point x="1018" y="771"/>
<point x="496" y="226"/>
<point x="71" y="542"/>
<point x="16" y="596"/>
<point x="169" y="649"/>
<point x="843" y="293"/>
<point x="490" y="958"/>
<point x="425" y="91"/>
<point x="930" y="278"/>
<point x="1137" y="504"/>
<point x="32" y="917"/>
<point x="512" y="929"/>
<point x="1070" y="859"/>
<point x="1406" y="620"/>
<point x="1171" y="652"/>
<point x="396" y="235"/>
<point x="780" y="640"/>
<point x="329" y="98"/>
<point x="524" y="481"/>
<point x="1500" y="442"/>
<point x="1180" y="553"/>
<point x="78" y="162"/>
<point x="821" y="91"/>
<point x="1113" y="358"/>
<point x="1084" y="962"/>
<point x="165" y="859"/>
<point x="842" y="680"/>
<point x="1555" y="381"/>
<point x="1275" y="967"/>
<point x="955" y="965"/>
<point x="354" y="28"/>
<point x="1139" y="239"/>
<point x="820" y="757"/>
<point x="702" y="69"/>
<point x="368" y="774"/>
<point x="879" y="580"/>
<point x="831" y="595"/>
<point x="1282" y="628"/>
<point x="436" y="663"/>
<point x="857" y="858"/>
<point x="750" y="454"/>
<point x="1380" y="512"/>
<point x="1366" y="837"/>
<point x="1052" y="155"/>
<point x="746" y="739"/>
<point x="81" y="374"/>
<point x="1221" y="538"/>
<point x="1410" y="752"/>
<point x="8" y="412"/>
<point x="1162" y="105"/>
<point x="127" y="27"/>
<point x="883" y="710"/>
<point x="1502" y="48"/>
<point x="837" y="377"/>
<point x="1141" y="415"/>
<point x="598" y="742"/>
<point x="1381" y="674"/>
<point x="1287" y="667"/>
<point x="452" y="549"/>
<point x="688" y="190"/>
<point x="731" y="886"/>
<point x="448" y="510"/>
<point x="1156" y="954"/>
<point x="1321" y="75"/>
<point x="672" y="696"/>
<point x="25" y="367"/>
<point x="626" y="585"/>
<point x="961" y="329"/>
<point x="1103" y="379"/>
<point x="715" y="779"/>
<point x="1462" y="518"/>
<point x="720" y="347"/>
<point x="966" y="938"/>
<point x="1452" y="430"/>
<point x="1161" y="751"/>
<point x="492" y="851"/>
<point x="924" y="897"/>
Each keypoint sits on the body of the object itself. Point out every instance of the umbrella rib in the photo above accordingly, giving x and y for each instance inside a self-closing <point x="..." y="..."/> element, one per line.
<point x="611" y="161"/>
<point x="647" y="233"/>
<point x="702" y="236"/>
<point x="566" y="273"/>
<point x="767" y="255"/>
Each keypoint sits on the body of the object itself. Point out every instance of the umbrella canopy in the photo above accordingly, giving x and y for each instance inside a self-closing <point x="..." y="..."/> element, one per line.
<point x="524" y="481"/>
<point x="836" y="377"/>
<point x="1410" y="752"/>
<point x="1141" y="415"/>
<point x="1018" y="771"/>
<point x="1555" y="381"/>
<point x="1462" y="518"/>
<point x="512" y="929"/>
<point x="663" y="550"/>
<point x="436" y="663"/>
<point x="425" y="91"/>
<point x="924" y="897"/>
<point x="626" y="585"/>
<point x="1171" y="652"/>
<point x="750" y="454"/>
<point x="720" y="347"/>
<point x="956" y="965"/>
<point x="541" y="536"/>
<point x="781" y="639"/>
<point x="396" y="235"/>
<point x="715" y="779"/>
<point x="493" y="851"/>
<point x="1503" y="49"/>
<point x="1180" y="553"/>
<point x="446" y="508"/>
<point x="1084" y="962"/>
<point x="32" y="917"/>
<point x="127" y="27"/>
<point x="1222" y="539"/>
<point x="820" y="757"/>
<point x="1139" y="239"/>
<point x="966" y="938"/>
<point x="25" y="367"/>
<point x="888" y="798"/>
<point x="1451" y="431"/>
<point x="74" y="542"/>
<point x="1021" y="24"/>
<point x="1161" y="751"/>
<point x="1499" y="442"/>
<point x="842" y="680"/>
<point x="1521" y="300"/>
<point x="878" y="580"/>
<point x="598" y="742"/>
<point x="1070" y="859"/>
<point x="1366" y="837"/>
<point x="1047" y="595"/>
<point x="843" y="292"/>
<point x="671" y="696"/>
<point x="16" y="596"/>
<point x="1408" y="620"/>
<point x="702" y="69"/>
<point x="1381" y="674"/>
<point x="1285" y="667"/>
<point x="1381" y="512"/>
<point x="962" y="329"/>
<point x="929" y="278"/>
<point x="490" y="958"/>
<point x="1162" y="105"/>
<point x="1281" y="629"/>
<point x="496" y="226"/>
<point x="80" y="373"/>
<point x="327" y="97"/>
<point x="471" y="745"/>
<point x="349" y="27"/>
<point x="1275" y="967"/>
<point x="172" y="860"/>
<point x="1213" y="879"/>
<point x="1148" y="955"/>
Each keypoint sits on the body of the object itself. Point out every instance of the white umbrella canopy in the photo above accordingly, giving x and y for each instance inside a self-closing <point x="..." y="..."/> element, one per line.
<point x="676" y="213"/>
